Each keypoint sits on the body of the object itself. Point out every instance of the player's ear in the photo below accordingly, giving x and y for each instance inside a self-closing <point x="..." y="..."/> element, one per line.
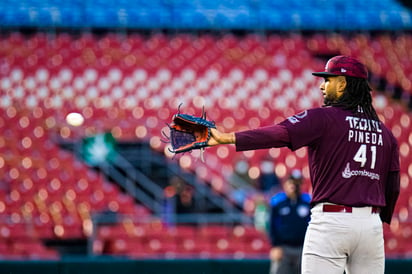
<point x="341" y="85"/>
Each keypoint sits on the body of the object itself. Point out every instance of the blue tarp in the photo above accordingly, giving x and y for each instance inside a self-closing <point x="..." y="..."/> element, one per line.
<point x="207" y="14"/>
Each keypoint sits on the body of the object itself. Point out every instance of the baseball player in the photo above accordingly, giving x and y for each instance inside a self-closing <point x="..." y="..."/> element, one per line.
<point x="354" y="170"/>
<point x="289" y="217"/>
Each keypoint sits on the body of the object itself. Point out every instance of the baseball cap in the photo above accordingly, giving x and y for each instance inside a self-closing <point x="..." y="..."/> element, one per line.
<point x="345" y="66"/>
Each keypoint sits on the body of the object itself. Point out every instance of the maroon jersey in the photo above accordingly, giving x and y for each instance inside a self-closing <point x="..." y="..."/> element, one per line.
<point x="350" y="156"/>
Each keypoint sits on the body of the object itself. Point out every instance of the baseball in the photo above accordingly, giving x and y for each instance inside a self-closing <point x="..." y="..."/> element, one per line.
<point x="74" y="119"/>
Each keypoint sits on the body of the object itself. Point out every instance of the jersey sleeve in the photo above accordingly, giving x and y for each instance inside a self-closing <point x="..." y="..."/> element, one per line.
<point x="275" y="220"/>
<point x="277" y="199"/>
<point x="306" y="197"/>
<point x="395" y="164"/>
<point x="295" y="132"/>
<point x="392" y="190"/>
<point x="304" y="128"/>
<point x="392" y="185"/>
<point x="262" y="138"/>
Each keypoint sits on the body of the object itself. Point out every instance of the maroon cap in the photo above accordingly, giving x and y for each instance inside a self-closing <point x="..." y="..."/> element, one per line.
<point x="345" y="66"/>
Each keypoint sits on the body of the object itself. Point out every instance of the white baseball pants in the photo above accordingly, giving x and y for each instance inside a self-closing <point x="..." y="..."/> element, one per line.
<point x="341" y="241"/>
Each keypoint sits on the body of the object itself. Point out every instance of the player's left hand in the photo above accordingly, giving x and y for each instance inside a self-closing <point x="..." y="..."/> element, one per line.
<point x="217" y="138"/>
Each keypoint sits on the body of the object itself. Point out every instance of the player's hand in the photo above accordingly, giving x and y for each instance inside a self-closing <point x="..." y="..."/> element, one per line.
<point x="219" y="138"/>
<point x="276" y="253"/>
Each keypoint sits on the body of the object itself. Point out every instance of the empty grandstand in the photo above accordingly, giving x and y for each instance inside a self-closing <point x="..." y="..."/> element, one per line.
<point x="102" y="187"/>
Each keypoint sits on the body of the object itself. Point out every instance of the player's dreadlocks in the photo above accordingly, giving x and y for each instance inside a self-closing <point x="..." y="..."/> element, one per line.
<point x="357" y="95"/>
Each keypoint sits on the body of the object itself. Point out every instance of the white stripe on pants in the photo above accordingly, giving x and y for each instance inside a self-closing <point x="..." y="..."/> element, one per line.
<point x="336" y="242"/>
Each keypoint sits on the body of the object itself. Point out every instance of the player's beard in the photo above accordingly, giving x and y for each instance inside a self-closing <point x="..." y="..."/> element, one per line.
<point x="326" y="102"/>
<point x="330" y="99"/>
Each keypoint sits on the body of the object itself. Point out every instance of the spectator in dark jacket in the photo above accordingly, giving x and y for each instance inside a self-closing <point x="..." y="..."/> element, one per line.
<point x="289" y="217"/>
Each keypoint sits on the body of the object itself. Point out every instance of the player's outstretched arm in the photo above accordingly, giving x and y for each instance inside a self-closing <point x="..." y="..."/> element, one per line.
<point x="220" y="138"/>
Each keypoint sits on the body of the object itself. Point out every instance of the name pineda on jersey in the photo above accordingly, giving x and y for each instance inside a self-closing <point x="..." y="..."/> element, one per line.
<point x="364" y="131"/>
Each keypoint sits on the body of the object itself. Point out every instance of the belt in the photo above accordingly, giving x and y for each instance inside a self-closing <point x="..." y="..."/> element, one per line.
<point x="345" y="209"/>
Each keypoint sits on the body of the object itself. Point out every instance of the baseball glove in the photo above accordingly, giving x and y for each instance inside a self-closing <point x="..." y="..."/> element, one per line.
<point x="188" y="132"/>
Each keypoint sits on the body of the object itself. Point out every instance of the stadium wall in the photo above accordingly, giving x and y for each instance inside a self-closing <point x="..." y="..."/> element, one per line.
<point x="122" y="266"/>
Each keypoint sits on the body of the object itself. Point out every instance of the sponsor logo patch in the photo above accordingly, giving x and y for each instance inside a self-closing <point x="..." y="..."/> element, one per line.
<point x="348" y="173"/>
